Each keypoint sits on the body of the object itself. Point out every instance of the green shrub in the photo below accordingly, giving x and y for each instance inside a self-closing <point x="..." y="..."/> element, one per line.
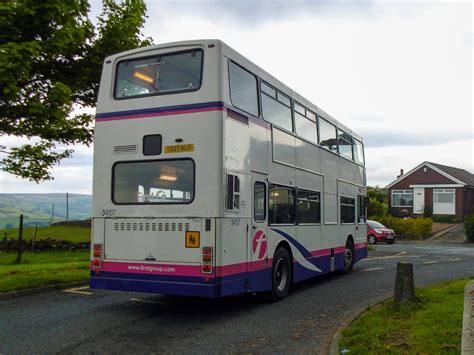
<point x="469" y="227"/>
<point x="375" y="208"/>
<point x="410" y="227"/>
<point x="445" y="218"/>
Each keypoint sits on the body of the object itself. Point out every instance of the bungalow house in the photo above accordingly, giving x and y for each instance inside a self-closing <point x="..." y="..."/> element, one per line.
<point x="432" y="188"/>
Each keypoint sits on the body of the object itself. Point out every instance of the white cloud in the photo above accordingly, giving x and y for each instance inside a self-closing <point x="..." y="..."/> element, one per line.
<point x="395" y="71"/>
<point x="384" y="163"/>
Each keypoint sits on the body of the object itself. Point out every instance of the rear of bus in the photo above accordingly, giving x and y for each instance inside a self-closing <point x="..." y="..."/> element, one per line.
<point x="157" y="170"/>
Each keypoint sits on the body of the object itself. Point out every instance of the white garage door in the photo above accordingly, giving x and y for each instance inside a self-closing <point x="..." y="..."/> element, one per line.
<point x="444" y="201"/>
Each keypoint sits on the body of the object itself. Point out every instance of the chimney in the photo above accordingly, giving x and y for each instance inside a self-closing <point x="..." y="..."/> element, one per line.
<point x="401" y="173"/>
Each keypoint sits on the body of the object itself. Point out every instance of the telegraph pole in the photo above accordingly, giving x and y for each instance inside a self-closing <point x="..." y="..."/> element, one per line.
<point x="67" y="206"/>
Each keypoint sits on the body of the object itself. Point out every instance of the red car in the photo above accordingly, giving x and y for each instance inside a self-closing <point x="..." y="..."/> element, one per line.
<point x="377" y="232"/>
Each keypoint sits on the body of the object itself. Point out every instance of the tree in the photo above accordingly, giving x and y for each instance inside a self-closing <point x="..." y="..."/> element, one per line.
<point x="51" y="59"/>
<point x="378" y="202"/>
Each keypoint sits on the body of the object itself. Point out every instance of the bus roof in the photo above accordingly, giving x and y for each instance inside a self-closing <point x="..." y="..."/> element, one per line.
<point x="249" y="65"/>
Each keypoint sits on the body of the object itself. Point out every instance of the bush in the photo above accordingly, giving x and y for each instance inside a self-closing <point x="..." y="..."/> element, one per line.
<point x="445" y="218"/>
<point x="410" y="227"/>
<point x="375" y="208"/>
<point x="469" y="227"/>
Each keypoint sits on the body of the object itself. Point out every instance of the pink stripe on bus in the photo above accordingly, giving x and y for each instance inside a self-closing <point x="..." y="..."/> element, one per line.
<point x="156" y="114"/>
<point x="155" y="269"/>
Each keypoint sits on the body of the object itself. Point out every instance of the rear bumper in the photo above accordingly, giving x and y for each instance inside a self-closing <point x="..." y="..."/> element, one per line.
<point x="208" y="290"/>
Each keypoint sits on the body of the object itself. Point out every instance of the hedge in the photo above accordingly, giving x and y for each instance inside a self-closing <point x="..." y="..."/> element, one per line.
<point x="443" y="218"/>
<point x="409" y="227"/>
<point x="469" y="227"/>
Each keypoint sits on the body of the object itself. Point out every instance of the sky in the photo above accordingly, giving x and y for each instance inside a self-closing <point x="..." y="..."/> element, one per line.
<point x="397" y="73"/>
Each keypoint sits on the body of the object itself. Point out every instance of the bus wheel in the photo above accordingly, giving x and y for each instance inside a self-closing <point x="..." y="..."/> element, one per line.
<point x="281" y="275"/>
<point x="349" y="256"/>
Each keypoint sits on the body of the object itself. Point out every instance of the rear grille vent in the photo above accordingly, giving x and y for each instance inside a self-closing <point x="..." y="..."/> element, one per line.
<point x="125" y="149"/>
<point x="237" y="117"/>
<point x="150" y="227"/>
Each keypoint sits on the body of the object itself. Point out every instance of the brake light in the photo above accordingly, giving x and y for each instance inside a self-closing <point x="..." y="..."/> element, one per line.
<point x="207" y="260"/>
<point x="97" y="263"/>
<point x="97" y="254"/>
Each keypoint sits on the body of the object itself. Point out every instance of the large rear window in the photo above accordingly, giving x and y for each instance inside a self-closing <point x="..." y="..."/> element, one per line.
<point x="153" y="182"/>
<point x="160" y="74"/>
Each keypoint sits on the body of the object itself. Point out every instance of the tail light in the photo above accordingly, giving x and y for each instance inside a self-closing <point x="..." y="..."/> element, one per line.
<point x="97" y="256"/>
<point x="207" y="260"/>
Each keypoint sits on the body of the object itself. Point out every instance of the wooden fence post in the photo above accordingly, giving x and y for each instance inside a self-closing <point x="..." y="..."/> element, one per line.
<point x="20" y="241"/>
<point x="34" y="238"/>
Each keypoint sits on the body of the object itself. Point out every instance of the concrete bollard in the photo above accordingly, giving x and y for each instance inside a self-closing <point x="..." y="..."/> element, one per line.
<point x="404" y="284"/>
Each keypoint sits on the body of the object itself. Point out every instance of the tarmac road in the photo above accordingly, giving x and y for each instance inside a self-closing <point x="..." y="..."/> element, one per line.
<point x="85" y="321"/>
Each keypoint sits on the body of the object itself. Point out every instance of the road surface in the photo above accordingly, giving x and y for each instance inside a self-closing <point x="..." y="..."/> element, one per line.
<point x="84" y="321"/>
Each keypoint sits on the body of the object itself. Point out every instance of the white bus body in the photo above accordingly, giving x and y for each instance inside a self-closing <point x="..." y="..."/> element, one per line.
<point x="212" y="178"/>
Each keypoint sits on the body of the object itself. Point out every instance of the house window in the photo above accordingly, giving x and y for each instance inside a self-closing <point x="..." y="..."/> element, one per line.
<point x="443" y="195"/>
<point x="402" y="198"/>
<point x="444" y="201"/>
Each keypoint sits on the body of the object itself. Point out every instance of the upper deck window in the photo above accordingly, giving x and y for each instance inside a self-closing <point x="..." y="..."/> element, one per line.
<point x="345" y="144"/>
<point x="358" y="152"/>
<point x="243" y="89"/>
<point x="305" y="124"/>
<point x="327" y="135"/>
<point x="160" y="74"/>
<point x="276" y="107"/>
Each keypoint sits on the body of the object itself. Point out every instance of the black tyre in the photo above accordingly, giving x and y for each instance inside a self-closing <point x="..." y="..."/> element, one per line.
<point x="371" y="239"/>
<point x="281" y="275"/>
<point x="349" y="257"/>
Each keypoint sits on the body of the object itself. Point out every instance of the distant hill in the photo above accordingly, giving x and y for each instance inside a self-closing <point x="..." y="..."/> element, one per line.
<point x="37" y="208"/>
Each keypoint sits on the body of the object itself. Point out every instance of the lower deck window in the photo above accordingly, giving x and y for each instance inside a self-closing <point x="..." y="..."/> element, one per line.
<point x="347" y="210"/>
<point x="281" y="205"/>
<point x="361" y="209"/>
<point x="309" y="207"/>
<point x="153" y="182"/>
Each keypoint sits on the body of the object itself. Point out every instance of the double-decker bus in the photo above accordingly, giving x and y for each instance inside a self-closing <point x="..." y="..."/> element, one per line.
<point x="213" y="178"/>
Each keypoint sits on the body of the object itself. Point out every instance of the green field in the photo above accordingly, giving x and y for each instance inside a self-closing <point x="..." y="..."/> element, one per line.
<point x="42" y="269"/>
<point x="73" y="234"/>
<point x="432" y="325"/>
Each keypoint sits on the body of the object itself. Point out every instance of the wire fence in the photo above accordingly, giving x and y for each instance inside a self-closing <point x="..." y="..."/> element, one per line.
<point x="7" y="223"/>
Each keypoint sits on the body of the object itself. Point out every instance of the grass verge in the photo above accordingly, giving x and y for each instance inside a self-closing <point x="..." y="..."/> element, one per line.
<point x="73" y="234"/>
<point x="432" y="325"/>
<point x="42" y="269"/>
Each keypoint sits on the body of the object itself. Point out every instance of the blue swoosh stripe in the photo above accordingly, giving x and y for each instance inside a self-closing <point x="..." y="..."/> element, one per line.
<point x="305" y="252"/>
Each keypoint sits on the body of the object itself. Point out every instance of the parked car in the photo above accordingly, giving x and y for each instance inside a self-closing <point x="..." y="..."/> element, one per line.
<point x="377" y="232"/>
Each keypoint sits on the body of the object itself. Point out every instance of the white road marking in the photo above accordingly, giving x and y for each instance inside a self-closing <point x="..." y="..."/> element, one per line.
<point x="79" y="290"/>
<point x="374" y="268"/>
<point x="430" y="262"/>
<point x="452" y="259"/>
<point x="451" y="249"/>
<point x="144" y="301"/>
<point x="399" y="255"/>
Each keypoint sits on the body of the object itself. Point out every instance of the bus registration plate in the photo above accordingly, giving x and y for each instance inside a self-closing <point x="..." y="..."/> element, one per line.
<point x="179" y="148"/>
